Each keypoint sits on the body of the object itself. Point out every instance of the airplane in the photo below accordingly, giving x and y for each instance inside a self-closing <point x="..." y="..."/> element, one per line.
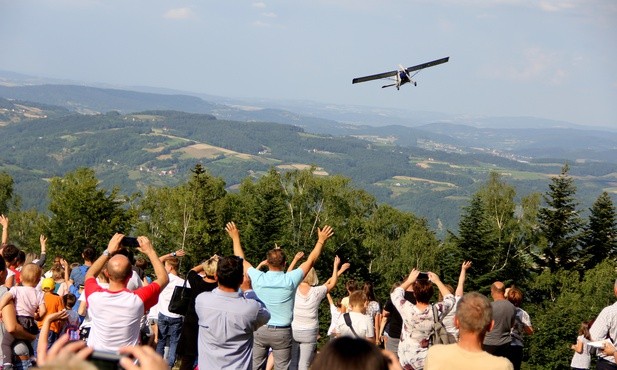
<point x="402" y="74"/>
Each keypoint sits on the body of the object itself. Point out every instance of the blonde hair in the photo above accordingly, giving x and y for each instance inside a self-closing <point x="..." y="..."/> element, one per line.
<point x="31" y="274"/>
<point x="210" y="266"/>
<point x="311" y="277"/>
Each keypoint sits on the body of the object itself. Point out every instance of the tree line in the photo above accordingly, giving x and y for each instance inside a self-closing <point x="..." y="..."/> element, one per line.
<point x="563" y="262"/>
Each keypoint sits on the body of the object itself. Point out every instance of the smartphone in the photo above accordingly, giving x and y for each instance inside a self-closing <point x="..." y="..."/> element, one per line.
<point x="423" y="276"/>
<point x="129" y="242"/>
<point x="105" y="360"/>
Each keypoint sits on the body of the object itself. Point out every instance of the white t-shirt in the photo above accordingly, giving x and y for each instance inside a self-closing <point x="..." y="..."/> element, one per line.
<point x="165" y="296"/>
<point x="334" y="314"/>
<point x="581" y="360"/>
<point x="361" y="324"/>
<point x="134" y="282"/>
<point x="306" y="307"/>
<point x="116" y="316"/>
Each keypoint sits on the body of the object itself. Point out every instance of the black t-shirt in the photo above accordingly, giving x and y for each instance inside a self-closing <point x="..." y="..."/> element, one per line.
<point x="395" y="321"/>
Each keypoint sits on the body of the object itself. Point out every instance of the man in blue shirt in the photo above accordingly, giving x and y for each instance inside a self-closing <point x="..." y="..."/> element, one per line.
<point x="277" y="290"/>
<point x="227" y="319"/>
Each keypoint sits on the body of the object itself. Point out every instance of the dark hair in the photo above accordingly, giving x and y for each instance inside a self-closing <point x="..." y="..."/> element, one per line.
<point x="2" y="264"/>
<point x="69" y="300"/>
<point x="89" y="254"/>
<point x="230" y="271"/>
<point x="368" y="290"/>
<point x="351" y="286"/>
<point x="21" y="257"/>
<point x="423" y="290"/>
<point x="276" y="258"/>
<point x="350" y="353"/>
<point x="10" y="253"/>
<point x="141" y="262"/>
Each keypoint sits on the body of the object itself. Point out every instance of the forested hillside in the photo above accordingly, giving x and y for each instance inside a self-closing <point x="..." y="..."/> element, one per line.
<point x="133" y="151"/>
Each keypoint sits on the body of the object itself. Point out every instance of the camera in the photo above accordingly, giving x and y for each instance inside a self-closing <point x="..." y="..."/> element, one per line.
<point x="129" y="242"/>
<point x="422" y="276"/>
<point x="105" y="360"/>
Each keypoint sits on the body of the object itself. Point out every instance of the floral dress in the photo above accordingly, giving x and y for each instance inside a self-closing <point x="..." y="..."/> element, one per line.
<point x="417" y="328"/>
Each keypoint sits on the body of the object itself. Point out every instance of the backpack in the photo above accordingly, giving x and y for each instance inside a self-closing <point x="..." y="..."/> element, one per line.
<point x="440" y="334"/>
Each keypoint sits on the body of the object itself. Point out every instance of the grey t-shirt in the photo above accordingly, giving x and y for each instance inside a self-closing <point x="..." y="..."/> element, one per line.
<point x="504" y="314"/>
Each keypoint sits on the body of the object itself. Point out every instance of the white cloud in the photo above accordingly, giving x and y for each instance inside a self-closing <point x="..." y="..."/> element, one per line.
<point x="269" y="15"/>
<point x="259" y="4"/>
<point x="179" y="14"/>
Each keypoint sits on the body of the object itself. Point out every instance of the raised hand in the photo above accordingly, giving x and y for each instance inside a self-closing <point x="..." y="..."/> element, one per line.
<point x="114" y="243"/>
<point x="4" y="221"/>
<point x="466" y="265"/>
<point x="145" y="245"/>
<point x="413" y="275"/>
<point x="232" y="230"/>
<point x="324" y="233"/>
<point x="433" y="277"/>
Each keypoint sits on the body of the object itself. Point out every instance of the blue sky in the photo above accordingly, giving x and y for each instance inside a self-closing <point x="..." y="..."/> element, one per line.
<point x="550" y="59"/>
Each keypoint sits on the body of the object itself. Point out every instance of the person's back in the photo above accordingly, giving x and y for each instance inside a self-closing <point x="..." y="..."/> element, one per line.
<point x="356" y="319"/>
<point x="277" y="290"/>
<point x="504" y="314"/>
<point x="227" y="320"/>
<point x="473" y="319"/>
<point x="116" y="312"/>
<point x="452" y="356"/>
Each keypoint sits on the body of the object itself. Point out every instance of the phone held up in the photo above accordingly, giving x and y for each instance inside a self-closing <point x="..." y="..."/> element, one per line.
<point x="105" y="360"/>
<point x="423" y="276"/>
<point x="129" y="242"/>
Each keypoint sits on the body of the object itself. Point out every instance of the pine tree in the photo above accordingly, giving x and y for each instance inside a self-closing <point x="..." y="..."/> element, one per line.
<point x="600" y="238"/>
<point x="476" y="243"/>
<point x="560" y="224"/>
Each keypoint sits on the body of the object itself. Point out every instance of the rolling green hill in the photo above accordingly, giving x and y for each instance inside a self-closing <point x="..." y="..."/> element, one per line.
<point x="135" y="150"/>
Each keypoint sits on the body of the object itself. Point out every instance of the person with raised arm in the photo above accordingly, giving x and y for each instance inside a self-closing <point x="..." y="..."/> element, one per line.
<point x="448" y="320"/>
<point x="276" y="289"/>
<point x="116" y="312"/>
<point x="305" y="323"/>
<point x="418" y="318"/>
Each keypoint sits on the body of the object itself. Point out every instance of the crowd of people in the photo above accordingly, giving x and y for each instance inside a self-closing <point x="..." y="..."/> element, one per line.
<point x="240" y="316"/>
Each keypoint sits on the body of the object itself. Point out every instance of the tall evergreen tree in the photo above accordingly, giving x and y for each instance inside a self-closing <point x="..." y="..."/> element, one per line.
<point x="560" y="223"/>
<point x="600" y="237"/>
<point x="475" y="242"/>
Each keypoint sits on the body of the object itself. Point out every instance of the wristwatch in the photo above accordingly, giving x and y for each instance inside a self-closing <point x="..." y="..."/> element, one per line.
<point x="173" y="254"/>
<point x="106" y="253"/>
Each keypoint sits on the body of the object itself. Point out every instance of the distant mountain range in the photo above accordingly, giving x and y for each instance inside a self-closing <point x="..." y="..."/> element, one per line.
<point x="425" y="162"/>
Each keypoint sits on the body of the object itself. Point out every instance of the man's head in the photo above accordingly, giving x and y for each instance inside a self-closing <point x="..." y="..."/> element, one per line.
<point x="230" y="272"/>
<point x="10" y="254"/>
<point x="171" y="265"/>
<point x="474" y="314"/>
<point x="498" y="290"/>
<point x="119" y="269"/>
<point x="89" y="254"/>
<point x="276" y="259"/>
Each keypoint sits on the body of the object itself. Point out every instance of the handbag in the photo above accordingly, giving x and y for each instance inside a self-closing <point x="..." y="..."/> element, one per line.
<point x="180" y="299"/>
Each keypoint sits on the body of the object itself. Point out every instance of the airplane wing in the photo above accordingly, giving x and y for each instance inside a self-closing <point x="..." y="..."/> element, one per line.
<point x="393" y="73"/>
<point x="426" y="65"/>
<point x="374" y="77"/>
